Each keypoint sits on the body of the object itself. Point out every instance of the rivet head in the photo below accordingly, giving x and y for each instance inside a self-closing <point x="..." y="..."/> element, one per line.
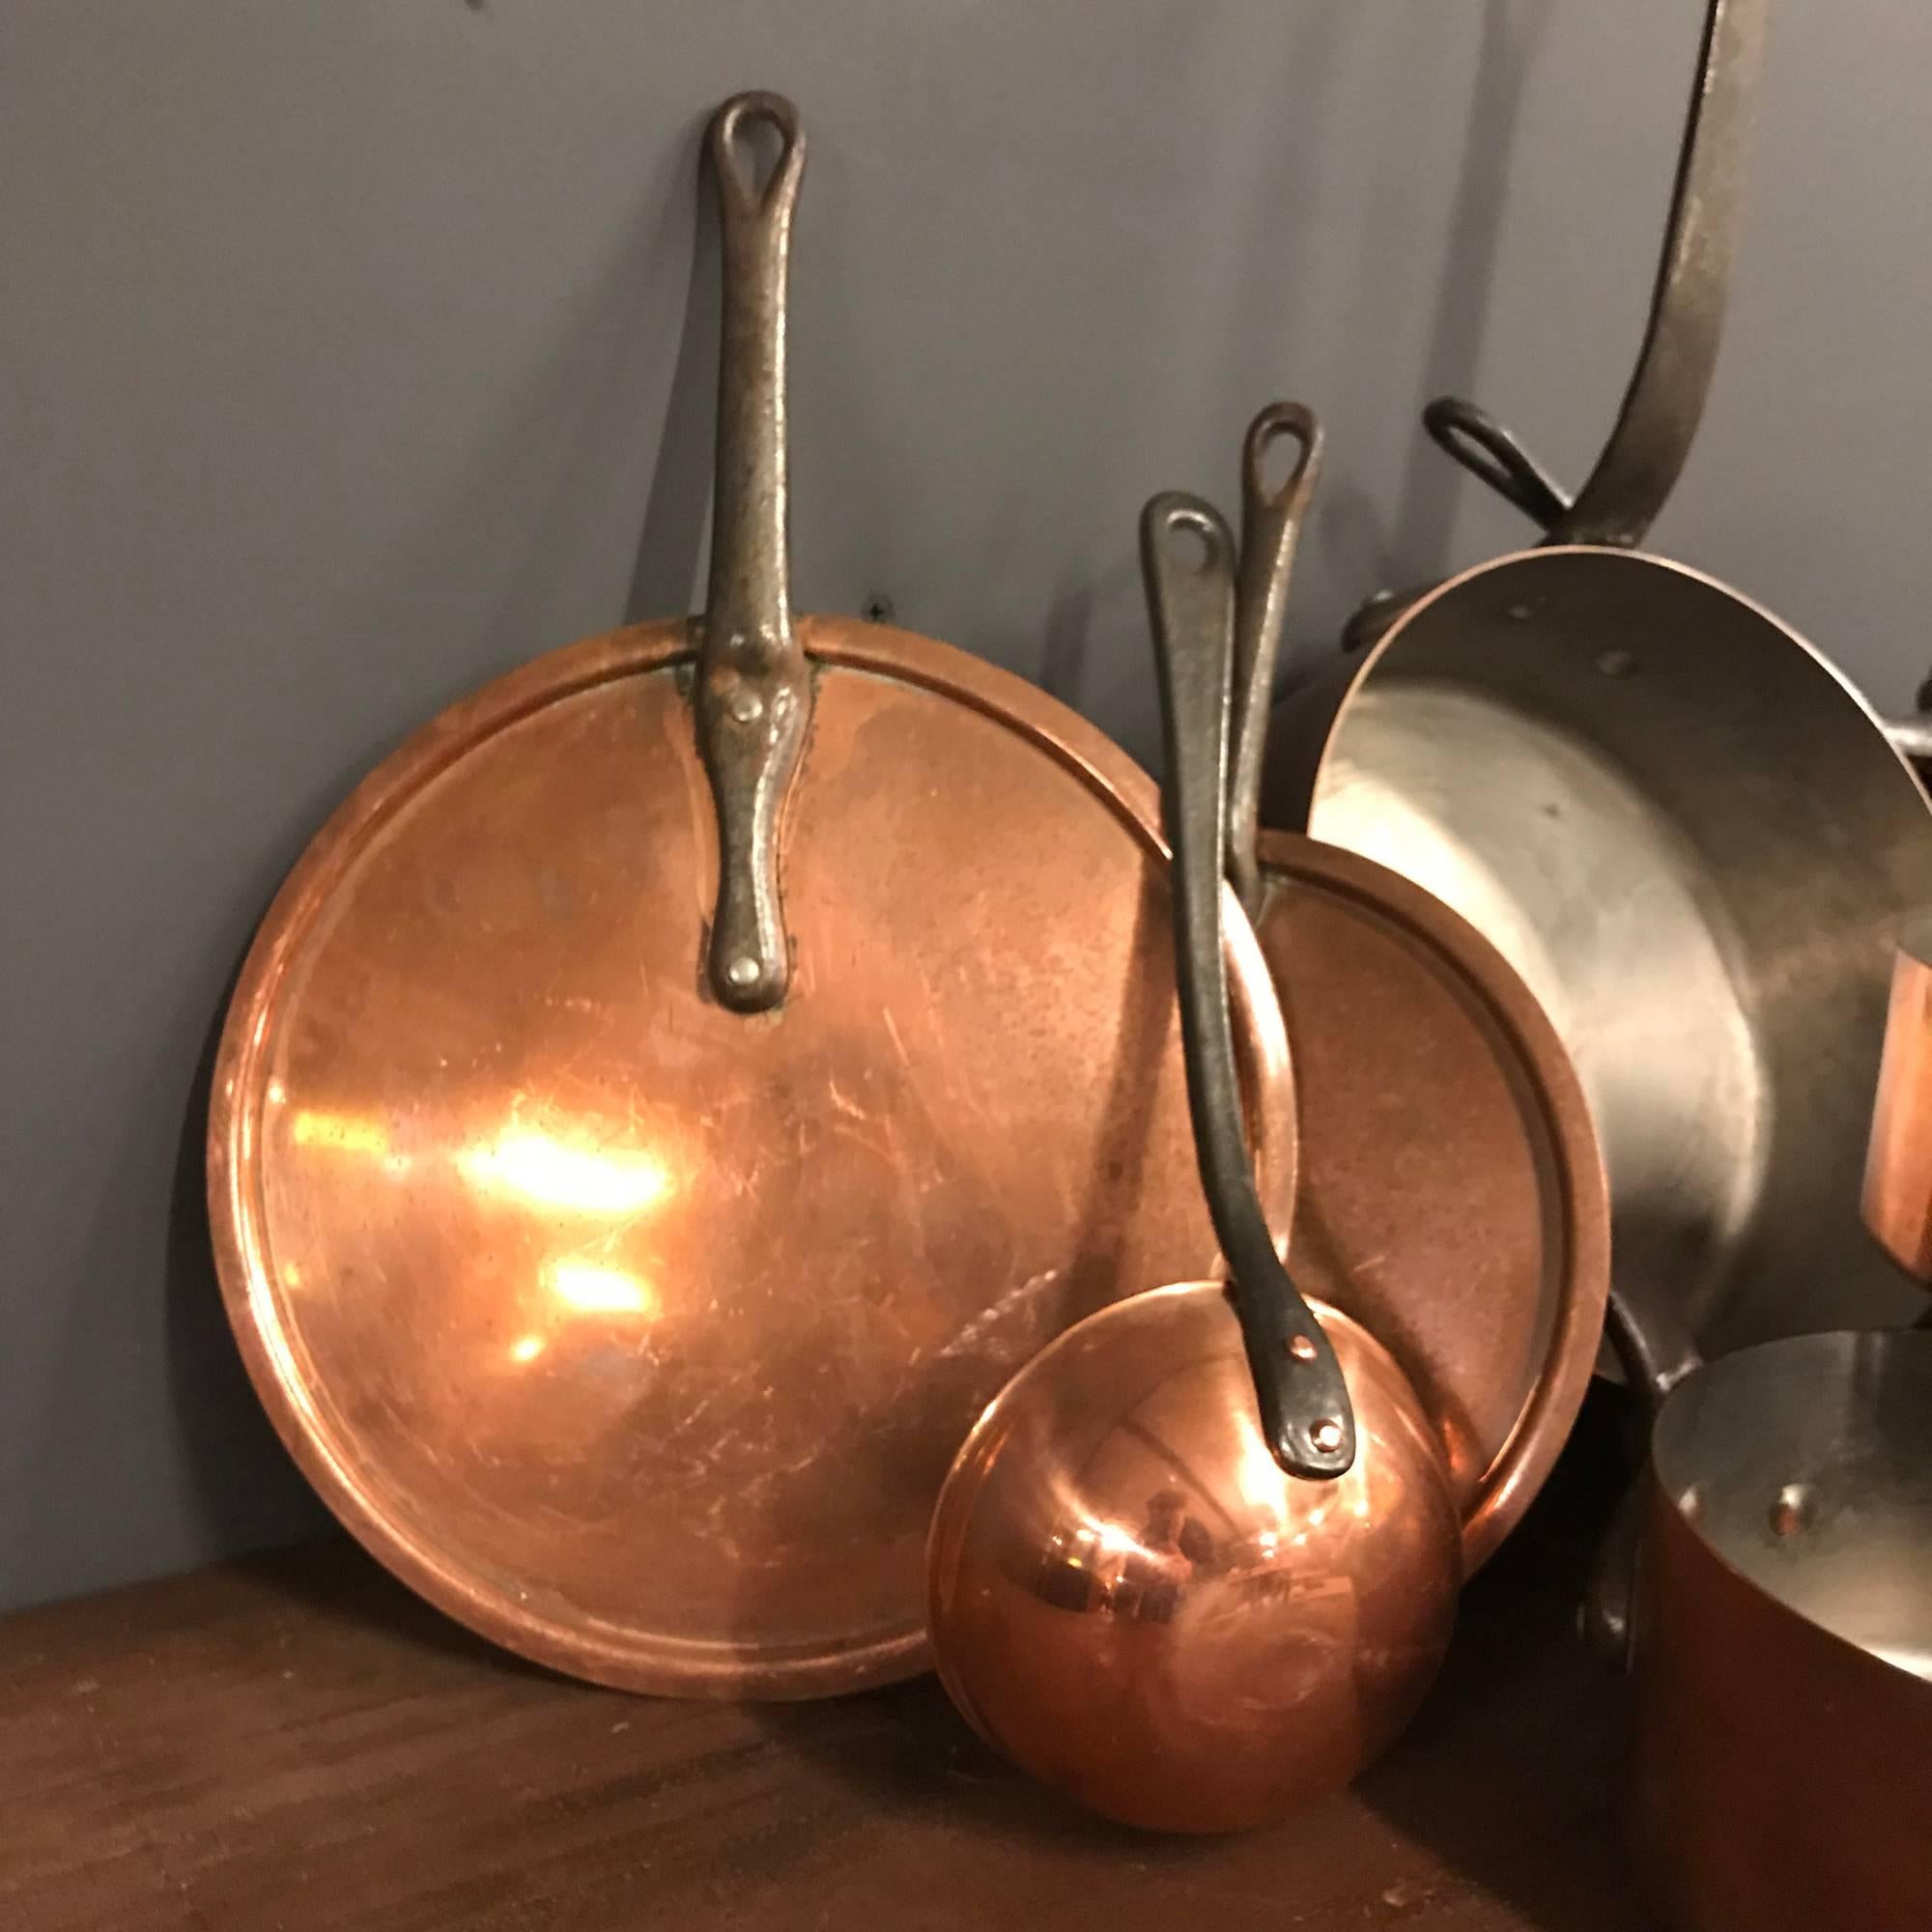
<point x="1326" y="1436"/>
<point x="1793" y="1511"/>
<point x="743" y="971"/>
<point x="1302" y="1348"/>
<point x="747" y="707"/>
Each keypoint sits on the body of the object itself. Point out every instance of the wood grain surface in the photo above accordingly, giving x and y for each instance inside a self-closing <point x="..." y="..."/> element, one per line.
<point x="295" y="1742"/>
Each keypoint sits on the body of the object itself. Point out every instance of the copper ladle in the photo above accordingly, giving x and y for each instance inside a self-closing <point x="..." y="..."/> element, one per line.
<point x="1198" y="1562"/>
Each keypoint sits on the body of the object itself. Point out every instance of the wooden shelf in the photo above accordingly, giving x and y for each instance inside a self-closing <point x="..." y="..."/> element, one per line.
<point x="294" y="1742"/>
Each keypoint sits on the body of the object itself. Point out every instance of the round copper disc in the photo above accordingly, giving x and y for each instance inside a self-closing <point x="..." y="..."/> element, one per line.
<point x="1452" y="1195"/>
<point x="637" y="1333"/>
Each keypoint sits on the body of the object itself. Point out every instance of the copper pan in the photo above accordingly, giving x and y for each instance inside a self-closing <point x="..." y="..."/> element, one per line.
<point x="678" y="1088"/>
<point x="1672" y="814"/>
<point x="1452" y="1196"/>
<point x="1898" y="1164"/>
<point x="1779" y="1628"/>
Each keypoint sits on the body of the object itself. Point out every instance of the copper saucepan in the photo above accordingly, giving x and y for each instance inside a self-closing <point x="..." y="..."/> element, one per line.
<point x="1196" y="1563"/>
<point x="1780" y="1639"/>
<point x="1898" y="1165"/>
<point x="1675" y="818"/>
<point x="679" y="1087"/>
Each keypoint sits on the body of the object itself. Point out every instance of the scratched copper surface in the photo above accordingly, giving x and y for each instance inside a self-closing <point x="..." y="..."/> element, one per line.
<point x="1451" y="1194"/>
<point x="638" y="1333"/>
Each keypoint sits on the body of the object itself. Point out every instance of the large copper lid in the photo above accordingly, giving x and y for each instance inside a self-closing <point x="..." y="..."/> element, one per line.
<point x="629" y="1305"/>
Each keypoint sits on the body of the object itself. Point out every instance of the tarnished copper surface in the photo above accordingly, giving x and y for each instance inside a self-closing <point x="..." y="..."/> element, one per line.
<point x="639" y="1333"/>
<point x="1135" y="1603"/>
<point x="1452" y="1196"/>
<point x="1898" y="1165"/>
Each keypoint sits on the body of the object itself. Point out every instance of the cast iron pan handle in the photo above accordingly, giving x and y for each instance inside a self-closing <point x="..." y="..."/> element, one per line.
<point x="1306" y="1416"/>
<point x="1662" y="407"/>
<point x="754" y="687"/>
<point x="1642" y="460"/>
<point x="1271" y="519"/>
<point x="1656" y="1352"/>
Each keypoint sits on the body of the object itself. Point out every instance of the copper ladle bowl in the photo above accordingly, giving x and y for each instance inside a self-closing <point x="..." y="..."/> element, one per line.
<point x="1197" y="1561"/>
<point x="1134" y="1602"/>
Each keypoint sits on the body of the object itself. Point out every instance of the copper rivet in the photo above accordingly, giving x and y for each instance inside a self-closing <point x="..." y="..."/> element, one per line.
<point x="1301" y="1348"/>
<point x="747" y="707"/>
<point x="743" y="971"/>
<point x="1327" y="1434"/>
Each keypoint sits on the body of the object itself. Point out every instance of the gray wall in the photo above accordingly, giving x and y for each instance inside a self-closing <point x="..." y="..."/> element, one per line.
<point x="346" y="350"/>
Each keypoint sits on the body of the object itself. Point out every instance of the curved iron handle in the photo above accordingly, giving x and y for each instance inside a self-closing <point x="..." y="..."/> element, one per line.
<point x="754" y="687"/>
<point x="1487" y="450"/>
<point x="1271" y="521"/>
<point x="1306" y="1416"/>
<point x="1656" y="1352"/>
<point x="1665" y="401"/>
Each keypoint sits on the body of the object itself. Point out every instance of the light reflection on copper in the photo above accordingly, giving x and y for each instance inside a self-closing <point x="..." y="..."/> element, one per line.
<point x="522" y="1163"/>
<point x="1227" y="1664"/>
<point x="554" y="1173"/>
<point x="344" y="1134"/>
<point x="526" y="1348"/>
<point x="596" y="1288"/>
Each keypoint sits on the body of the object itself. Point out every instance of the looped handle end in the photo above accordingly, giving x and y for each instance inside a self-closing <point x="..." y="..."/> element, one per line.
<point x="1491" y="453"/>
<point x="733" y="168"/>
<point x="1289" y="498"/>
<point x="1271" y="520"/>
<point x="1306" y="1416"/>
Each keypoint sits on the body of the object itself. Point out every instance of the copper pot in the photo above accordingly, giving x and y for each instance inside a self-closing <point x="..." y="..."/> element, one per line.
<point x="1672" y="814"/>
<point x="1898" y="1164"/>
<point x="1780" y="1637"/>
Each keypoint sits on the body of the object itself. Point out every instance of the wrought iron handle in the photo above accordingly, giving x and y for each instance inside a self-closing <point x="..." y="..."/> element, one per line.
<point x="1487" y="450"/>
<point x="1271" y="519"/>
<point x="1306" y="1416"/>
<point x="753" y="688"/>
<point x="1644" y="456"/>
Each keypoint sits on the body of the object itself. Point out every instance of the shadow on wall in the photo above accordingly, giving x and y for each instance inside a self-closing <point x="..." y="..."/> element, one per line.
<point x="1426" y="510"/>
<point x="137" y="1466"/>
<point x="677" y="510"/>
<point x="518" y="547"/>
<point x="1413" y="546"/>
<point x="1091" y="650"/>
<point x="247" y="1491"/>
